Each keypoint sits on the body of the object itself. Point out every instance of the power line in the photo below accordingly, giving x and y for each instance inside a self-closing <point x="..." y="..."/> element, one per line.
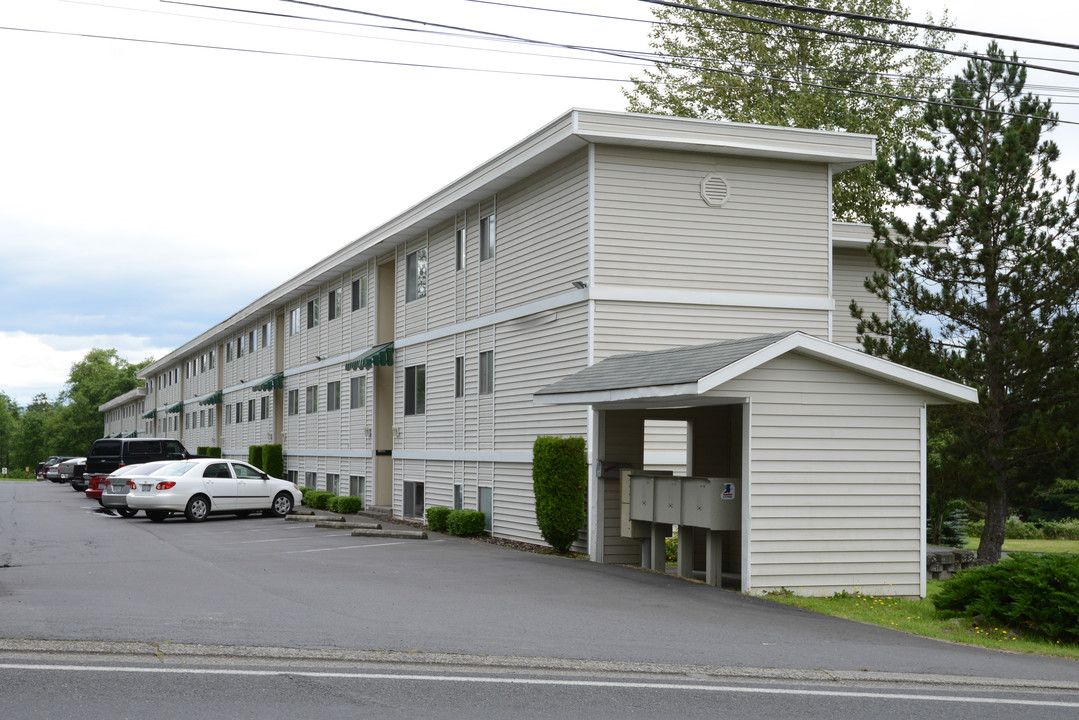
<point x="852" y="36"/>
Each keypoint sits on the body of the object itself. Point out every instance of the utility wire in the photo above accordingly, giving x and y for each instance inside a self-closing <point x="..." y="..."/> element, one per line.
<point x="894" y="21"/>
<point x="853" y="36"/>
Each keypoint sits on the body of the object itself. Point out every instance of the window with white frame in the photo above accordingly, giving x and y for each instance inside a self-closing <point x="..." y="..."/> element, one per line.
<point x="459" y="376"/>
<point x="487" y="237"/>
<point x="266" y="337"/>
<point x="228" y="414"/>
<point x="239" y="347"/>
<point x="333" y="395"/>
<point x="294" y="321"/>
<point x="293" y="476"/>
<point x="310" y="480"/>
<point x="413" y="505"/>
<point x="264" y="411"/>
<point x="294" y="402"/>
<point x="312" y="313"/>
<point x="458" y="496"/>
<point x="415" y="390"/>
<point x="416" y="275"/>
<point x="333" y="307"/>
<point x="357" y="392"/>
<point x="228" y="351"/>
<point x="357" y="486"/>
<point x="251" y="410"/>
<point x="487" y="372"/>
<point x="485" y="505"/>
<point x="239" y="412"/>
<point x="213" y="357"/>
<point x="311" y="401"/>
<point x="459" y="249"/>
<point x="332" y="481"/>
<point x="251" y="344"/>
<point x="359" y="293"/>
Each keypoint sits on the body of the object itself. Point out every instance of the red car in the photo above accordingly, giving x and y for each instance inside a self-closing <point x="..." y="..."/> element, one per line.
<point x="97" y="486"/>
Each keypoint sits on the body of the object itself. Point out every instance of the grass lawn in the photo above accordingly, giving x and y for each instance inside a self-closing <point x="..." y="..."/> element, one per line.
<point x="16" y="479"/>
<point x="919" y="617"/>
<point x="1064" y="546"/>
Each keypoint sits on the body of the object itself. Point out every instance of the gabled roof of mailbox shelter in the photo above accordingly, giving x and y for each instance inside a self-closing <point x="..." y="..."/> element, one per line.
<point x="685" y="373"/>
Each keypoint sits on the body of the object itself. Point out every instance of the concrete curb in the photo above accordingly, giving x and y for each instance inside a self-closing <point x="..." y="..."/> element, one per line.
<point x="400" y="534"/>
<point x="346" y="524"/>
<point x="229" y="653"/>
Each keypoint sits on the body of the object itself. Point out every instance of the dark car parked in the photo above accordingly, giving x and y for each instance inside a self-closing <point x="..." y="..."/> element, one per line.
<point x="108" y="454"/>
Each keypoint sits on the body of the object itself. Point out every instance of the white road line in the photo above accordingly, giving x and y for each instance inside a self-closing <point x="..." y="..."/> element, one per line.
<point x="287" y="539"/>
<point x="345" y="547"/>
<point x="553" y="682"/>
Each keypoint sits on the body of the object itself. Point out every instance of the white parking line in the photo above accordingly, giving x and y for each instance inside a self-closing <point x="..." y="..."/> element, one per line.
<point x="345" y="547"/>
<point x="554" y="682"/>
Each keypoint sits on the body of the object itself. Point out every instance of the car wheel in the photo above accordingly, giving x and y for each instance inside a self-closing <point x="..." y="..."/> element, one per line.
<point x="127" y="512"/>
<point x="282" y="505"/>
<point x="157" y="515"/>
<point x="198" y="508"/>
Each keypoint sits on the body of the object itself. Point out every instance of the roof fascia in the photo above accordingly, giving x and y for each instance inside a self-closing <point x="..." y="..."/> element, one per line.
<point x="610" y="396"/>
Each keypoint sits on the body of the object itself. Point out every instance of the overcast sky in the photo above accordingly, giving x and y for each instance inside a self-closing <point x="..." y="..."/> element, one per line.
<point x="150" y="190"/>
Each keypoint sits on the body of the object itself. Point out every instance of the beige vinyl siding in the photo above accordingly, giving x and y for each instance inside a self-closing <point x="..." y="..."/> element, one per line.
<point x="665" y="445"/>
<point x="835" y="479"/>
<point x="652" y="228"/>
<point x="850" y="268"/>
<point x="622" y="327"/>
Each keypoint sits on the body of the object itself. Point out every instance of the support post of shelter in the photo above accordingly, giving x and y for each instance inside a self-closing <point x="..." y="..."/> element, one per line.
<point x="713" y="567"/>
<point x="685" y="552"/>
<point x="660" y="531"/>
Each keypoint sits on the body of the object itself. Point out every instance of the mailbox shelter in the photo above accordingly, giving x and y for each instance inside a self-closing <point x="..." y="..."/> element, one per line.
<point x="820" y="447"/>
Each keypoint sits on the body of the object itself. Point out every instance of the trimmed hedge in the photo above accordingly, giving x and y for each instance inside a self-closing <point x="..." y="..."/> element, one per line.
<point x="559" y="480"/>
<point x="345" y="504"/>
<point x="1036" y="594"/>
<point x="254" y="456"/>
<point x="318" y="499"/>
<point x="1016" y="529"/>
<point x="208" y="451"/>
<point x="438" y="518"/>
<point x="465" y="522"/>
<point x="273" y="460"/>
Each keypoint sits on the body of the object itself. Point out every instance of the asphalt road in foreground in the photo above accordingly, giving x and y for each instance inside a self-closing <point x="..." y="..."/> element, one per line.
<point x="68" y="572"/>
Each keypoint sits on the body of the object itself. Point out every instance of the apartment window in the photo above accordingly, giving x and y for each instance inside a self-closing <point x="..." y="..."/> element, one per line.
<point x="228" y="414"/>
<point x="359" y="293"/>
<point x="251" y="410"/>
<point x="187" y="421"/>
<point x="312" y="313"/>
<point x="294" y="321"/>
<point x="264" y="411"/>
<point x="334" y="304"/>
<point x="213" y="356"/>
<point x="228" y="352"/>
<point x="310" y="480"/>
<point x="460" y="249"/>
<point x="357" y="395"/>
<point x="202" y="363"/>
<point x="416" y="275"/>
<point x="210" y="417"/>
<point x="357" y="486"/>
<point x="413" y="499"/>
<point x="312" y="399"/>
<point x="333" y="395"/>
<point x="187" y="369"/>
<point x="458" y="497"/>
<point x="486" y="506"/>
<point x="332" y="481"/>
<point x="459" y="376"/>
<point x="294" y="402"/>
<point x="239" y="347"/>
<point x="293" y="476"/>
<point x="265" y="335"/>
<point x="239" y="412"/>
<point x="202" y="418"/>
<point x="415" y="389"/>
<point x="487" y="237"/>
<point x="487" y="372"/>
<point x="251" y="344"/>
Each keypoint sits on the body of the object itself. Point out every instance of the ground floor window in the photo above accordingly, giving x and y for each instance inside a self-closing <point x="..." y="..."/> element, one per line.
<point x="486" y="506"/>
<point x="331" y="482"/>
<point x="356" y="485"/>
<point x="310" y="480"/>
<point x="458" y="497"/>
<point x="413" y="499"/>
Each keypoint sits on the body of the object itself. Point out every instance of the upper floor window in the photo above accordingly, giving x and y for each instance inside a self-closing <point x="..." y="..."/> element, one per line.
<point x="294" y="321"/>
<point x="357" y="395"/>
<point x="293" y="402"/>
<point x="459" y="376"/>
<point x="334" y="305"/>
<point x="228" y="351"/>
<point x="459" y="250"/>
<point x="251" y="410"/>
<point x="333" y="395"/>
<point x="487" y="237"/>
<point x="213" y="355"/>
<point x="415" y="390"/>
<point x="312" y="313"/>
<point x="416" y="275"/>
<point x="312" y="399"/>
<point x="240" y="347"/>
<point x="359" y="293"/>
<point x="487" y="372"/>
<point x="266" y="334"/>
<point x="251" y="345"/>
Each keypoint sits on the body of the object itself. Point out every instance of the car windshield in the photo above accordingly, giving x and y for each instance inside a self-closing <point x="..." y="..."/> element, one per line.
<point x="174" y="468"/>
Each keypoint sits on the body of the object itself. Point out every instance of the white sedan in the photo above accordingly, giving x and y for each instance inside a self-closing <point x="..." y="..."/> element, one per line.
<point x="198" y="488"/>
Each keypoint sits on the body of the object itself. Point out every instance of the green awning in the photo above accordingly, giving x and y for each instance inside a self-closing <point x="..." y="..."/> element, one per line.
<point x="212" y="399"/>
<point x="274" y="382"/>
<point x="378" y="355"/>
<point x="177" y="408"/>
<point x="151" y="415"/>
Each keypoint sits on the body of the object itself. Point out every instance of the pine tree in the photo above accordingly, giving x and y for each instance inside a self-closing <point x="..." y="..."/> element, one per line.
<point x="984" y="283"/>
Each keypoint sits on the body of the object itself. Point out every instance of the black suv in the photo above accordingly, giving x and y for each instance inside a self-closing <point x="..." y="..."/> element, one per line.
<point x="108" y="454"/>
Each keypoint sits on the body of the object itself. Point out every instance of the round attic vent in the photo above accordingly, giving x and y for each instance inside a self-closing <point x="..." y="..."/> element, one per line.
<point x="715" y="190"/>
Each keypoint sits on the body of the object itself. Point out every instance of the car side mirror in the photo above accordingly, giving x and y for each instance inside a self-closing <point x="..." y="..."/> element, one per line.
<point x="264" y="476"/>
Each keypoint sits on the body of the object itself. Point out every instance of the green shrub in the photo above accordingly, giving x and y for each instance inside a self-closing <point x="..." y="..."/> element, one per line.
<point x="670" y="548"/>
<point x="318" y="499"/>
<point x="437" y="518"/>
<point x="273" y="460"/>
<point x="465" y="522"/>
<point x="559" y="479"/>
<point x="1016" y="529"/>
<point x="1037" y="594"/>
<point x="347" y="504"/>
<point x="254" y="456"/>
<point x="212" y="452"/>
<point x="1061" y="529"/>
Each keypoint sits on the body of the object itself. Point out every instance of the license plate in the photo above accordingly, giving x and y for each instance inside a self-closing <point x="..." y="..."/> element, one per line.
<point x="145" y="488"/>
